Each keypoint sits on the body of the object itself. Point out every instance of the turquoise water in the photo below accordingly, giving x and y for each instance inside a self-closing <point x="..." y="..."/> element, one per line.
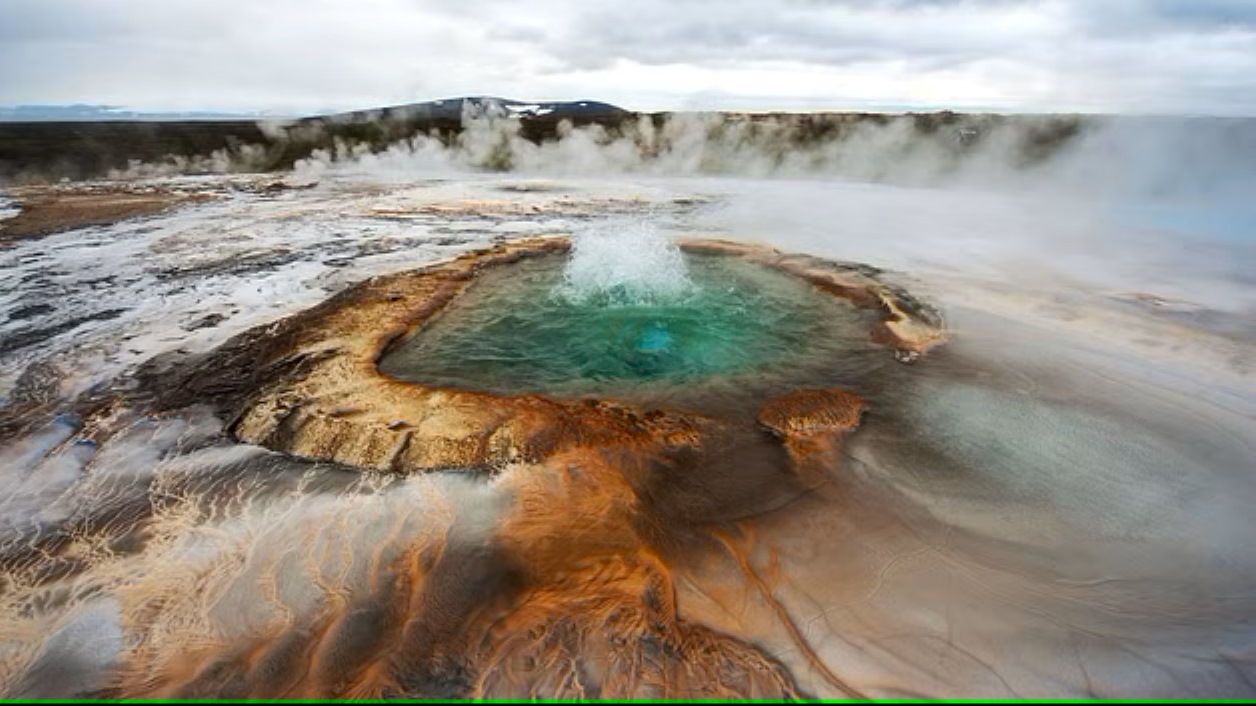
<point x="739" y="325"/>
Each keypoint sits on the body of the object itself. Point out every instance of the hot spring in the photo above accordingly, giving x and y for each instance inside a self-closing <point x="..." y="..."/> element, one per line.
<point x="509" y="353"/>
<point x="635" y="318"/>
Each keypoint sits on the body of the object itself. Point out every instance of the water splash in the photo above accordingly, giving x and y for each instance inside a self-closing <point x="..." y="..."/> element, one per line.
<point x="624" y="263"/>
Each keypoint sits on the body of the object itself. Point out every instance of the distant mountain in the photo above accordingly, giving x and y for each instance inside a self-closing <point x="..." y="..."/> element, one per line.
<point x="447" y="109"/>
<point x="89" y="141"/>
<point x="95" y="113"/>
<point x="454" y="108"/>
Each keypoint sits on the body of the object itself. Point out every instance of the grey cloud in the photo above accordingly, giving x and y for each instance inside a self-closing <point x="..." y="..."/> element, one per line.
<point x="1206" y="13"/>
<point x="1158" y="17"/>
<point x="746" y="30"/>
<point x="1159" y="55"/>
<point x="914" y="4"/>
<point x="78" y="21"/>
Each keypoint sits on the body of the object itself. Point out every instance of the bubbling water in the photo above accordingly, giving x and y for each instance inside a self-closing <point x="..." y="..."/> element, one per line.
<point x="624" y="264"/>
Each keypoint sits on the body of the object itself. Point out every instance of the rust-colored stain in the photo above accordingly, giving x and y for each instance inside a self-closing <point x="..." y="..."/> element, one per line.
<point x="571" y="593"/>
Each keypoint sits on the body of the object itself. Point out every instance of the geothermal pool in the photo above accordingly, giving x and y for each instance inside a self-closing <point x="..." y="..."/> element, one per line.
<point x="712" y="323"/>
<point x="304" y="442"/>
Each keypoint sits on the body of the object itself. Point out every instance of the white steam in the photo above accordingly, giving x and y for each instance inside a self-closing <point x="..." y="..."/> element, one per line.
<point x="1116" y="157"/>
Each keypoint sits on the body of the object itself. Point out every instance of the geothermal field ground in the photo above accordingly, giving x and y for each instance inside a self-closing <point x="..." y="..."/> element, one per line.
<point x="516" y="403"/>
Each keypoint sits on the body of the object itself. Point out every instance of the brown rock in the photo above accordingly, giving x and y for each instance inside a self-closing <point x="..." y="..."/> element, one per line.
<point x="805" y="413"/>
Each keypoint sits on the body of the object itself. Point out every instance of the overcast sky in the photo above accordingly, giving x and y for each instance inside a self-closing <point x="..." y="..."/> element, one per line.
<point x="302" y="56"/>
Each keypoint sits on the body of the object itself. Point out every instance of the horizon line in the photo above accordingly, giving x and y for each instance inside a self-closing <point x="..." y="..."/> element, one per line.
<point x="113" y="112"/>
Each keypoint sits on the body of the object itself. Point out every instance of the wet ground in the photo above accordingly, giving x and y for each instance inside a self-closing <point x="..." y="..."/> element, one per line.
<point x="1053" y="504"/>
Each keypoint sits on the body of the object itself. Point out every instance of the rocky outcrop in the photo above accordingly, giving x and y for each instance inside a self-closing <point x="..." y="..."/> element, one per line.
<point x="805" y="413"/>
